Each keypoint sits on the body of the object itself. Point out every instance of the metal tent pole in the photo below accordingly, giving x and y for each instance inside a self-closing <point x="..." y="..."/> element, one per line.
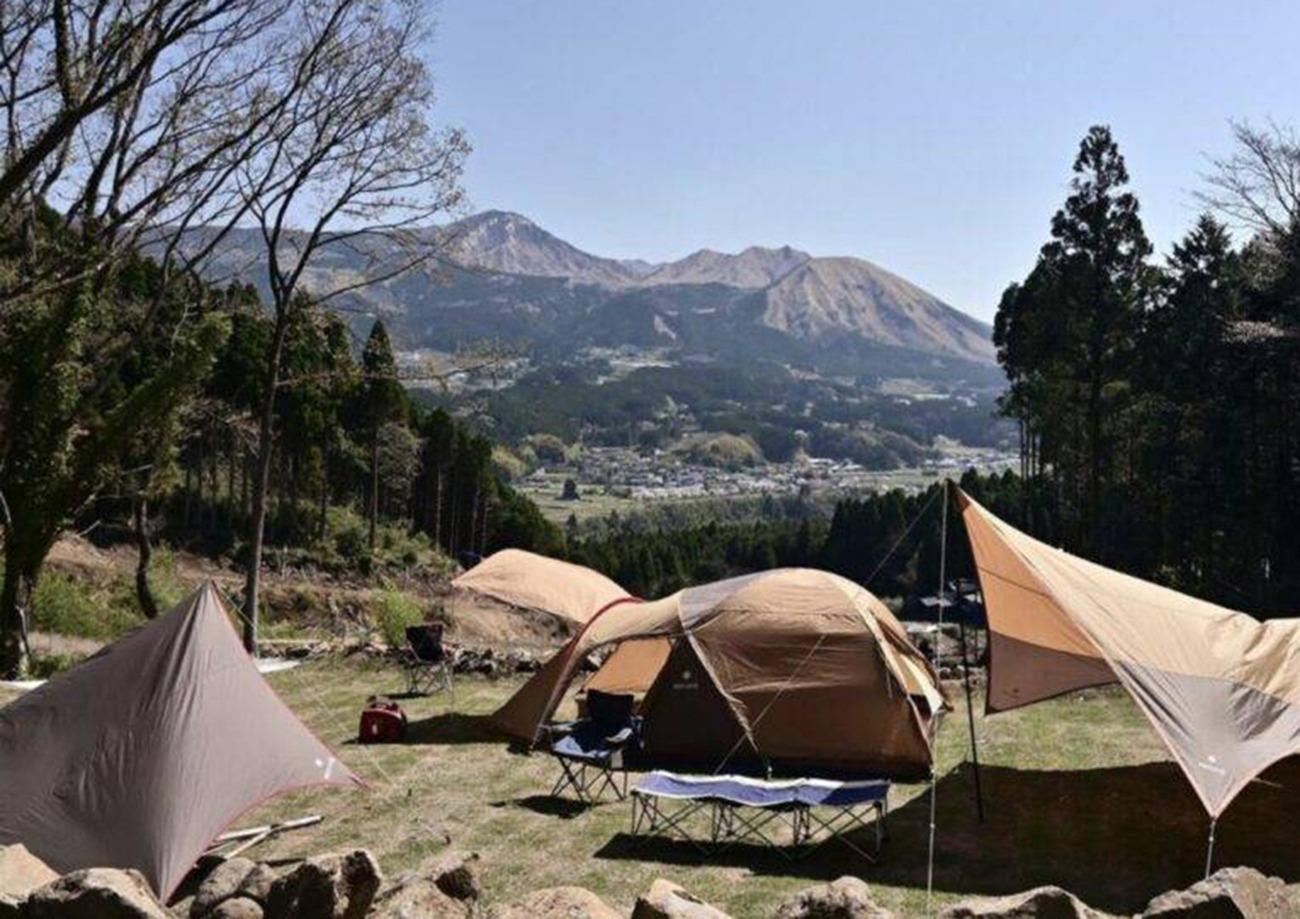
<point x="1209" y="848"/>
<point x="934" y="784"/>
<point x="970" y="720"/>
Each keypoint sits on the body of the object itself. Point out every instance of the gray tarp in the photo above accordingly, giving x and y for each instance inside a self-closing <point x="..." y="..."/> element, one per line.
<point x="142" y="755"/>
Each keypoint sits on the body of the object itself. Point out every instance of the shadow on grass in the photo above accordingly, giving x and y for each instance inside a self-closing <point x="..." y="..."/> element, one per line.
<point x="547" y="806"/>
<point x="1116" y="837"/>
<point x="453" y="728"/>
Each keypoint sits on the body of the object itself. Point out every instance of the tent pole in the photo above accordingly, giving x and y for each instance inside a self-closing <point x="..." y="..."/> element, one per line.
<point x="1209" y="848"/>
<point x="970" y="721"/>
<point x="934" y="784"/>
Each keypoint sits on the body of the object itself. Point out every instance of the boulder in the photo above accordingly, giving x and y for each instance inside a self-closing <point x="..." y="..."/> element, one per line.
<point x="220" y="884"/>
<point x="417" y="897"/>
<point x="257" y="884"/>
<point x="559" y="903"/>
<point x="845" y="898"/>
<point x="666" y="900"/>
<point x="1039" y="903"/>
<point x="326" y="887"/>
<point x="458" y="876"/>
<point x="94" y="893"/>
<point x="1229" y="893"/>
<point x="21" y="872"/>
<point x="237" y="908"/>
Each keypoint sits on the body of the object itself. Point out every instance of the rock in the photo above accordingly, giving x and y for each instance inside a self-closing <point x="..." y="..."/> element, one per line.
<point x="21" y="872"/>
<point x="846" y="898"/>
<point x="1039" y="903"/>
<point x="444" y="887"/>
<point x="666" y="900"/>
<point x="220" y="884"/>
<point x="559" y="903"/>
<point x="237" y="908"/>
<point x="458" y="876"/>
<point x="1229" y="893"/>
<point x="326" y="887"/>
<point x="417" y="897"/>
<point x="257" y="884"/>
<point x="95" y="893"/>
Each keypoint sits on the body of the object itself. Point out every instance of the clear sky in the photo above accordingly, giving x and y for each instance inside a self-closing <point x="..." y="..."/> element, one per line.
<point x="932" y="138"/>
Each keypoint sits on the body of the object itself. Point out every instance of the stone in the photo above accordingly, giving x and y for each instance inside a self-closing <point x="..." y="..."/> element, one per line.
<point x="666" y="900"/>
<point x="845" y="898"/>
<point x="417" y="896"/>
<point x="237" y="908"/>
<point x="21" y="872"/>
<point x="458" y="876"/>
<point x="220" y="884"/>
<point x="257" y="884"/>
<point x="1229" y="893"/>
<point x="95" y="893"/>
<point x="1039" y="903"/>
<point x="326" y="887"/>
<point x="559" y="903"/>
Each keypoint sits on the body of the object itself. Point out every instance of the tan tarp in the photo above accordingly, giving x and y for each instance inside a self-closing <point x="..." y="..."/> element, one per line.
<point x="518" y="578"/>
<point x="632" y="667"/>
<point x="1221" y="688"/>
<point x="811" y="668"/>
<point x="140" y="756"/>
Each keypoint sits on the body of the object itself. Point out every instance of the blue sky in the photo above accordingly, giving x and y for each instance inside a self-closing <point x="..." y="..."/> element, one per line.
<point x="932" y="138"/>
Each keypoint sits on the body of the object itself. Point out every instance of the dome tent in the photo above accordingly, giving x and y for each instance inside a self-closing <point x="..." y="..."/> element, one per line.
<point x="521" y="580"/>
<point x="786" y="668"/>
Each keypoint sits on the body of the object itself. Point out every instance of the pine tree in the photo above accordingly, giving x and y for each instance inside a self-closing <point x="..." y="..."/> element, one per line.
<point x="385" y="401"/>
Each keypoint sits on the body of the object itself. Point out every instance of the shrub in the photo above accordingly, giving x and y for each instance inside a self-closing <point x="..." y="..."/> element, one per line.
<point x="62" y="606"/>
<point x="44" y="666"/>
<point x="397" y="610"/>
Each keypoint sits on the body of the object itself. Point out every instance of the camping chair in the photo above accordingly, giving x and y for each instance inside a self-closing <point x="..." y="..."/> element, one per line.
<point x="591" y="752"/>
<point x="426" y="662"/>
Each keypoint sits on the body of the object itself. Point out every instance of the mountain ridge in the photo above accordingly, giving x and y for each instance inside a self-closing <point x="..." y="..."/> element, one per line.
<point x="807" y="297"/>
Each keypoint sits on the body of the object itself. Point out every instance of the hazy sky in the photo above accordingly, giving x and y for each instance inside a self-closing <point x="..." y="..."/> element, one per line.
<point x="932" y="138"/>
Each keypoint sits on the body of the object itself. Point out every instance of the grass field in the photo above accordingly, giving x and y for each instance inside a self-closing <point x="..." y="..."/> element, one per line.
<point x="1078" y="793"/>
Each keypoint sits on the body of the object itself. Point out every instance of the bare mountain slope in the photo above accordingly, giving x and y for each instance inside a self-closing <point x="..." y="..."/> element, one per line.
<point x="755" y="267"/>
<point x="828" y="296"/>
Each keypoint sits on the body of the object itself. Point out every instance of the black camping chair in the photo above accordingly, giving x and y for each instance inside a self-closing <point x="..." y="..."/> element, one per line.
<point x="592" y="752"/>
<point x="426" y="662"/>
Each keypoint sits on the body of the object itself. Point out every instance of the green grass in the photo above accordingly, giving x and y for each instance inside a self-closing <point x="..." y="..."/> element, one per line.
<point x="1078" y="793"/>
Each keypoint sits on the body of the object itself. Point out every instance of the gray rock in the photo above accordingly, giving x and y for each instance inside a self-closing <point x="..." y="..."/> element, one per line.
<point x="559" y="903"/>
<point x="417" y="897"/>
<point x="237" y="908"/>
<point x="220" y="884"/>
<point x="21" y="872"/>
<point x="458" y="876"/>
<point x="94" y="893"/>
<point x="257" y="884"/>
<point x="1039" y="903"/>
<point x="1229" y="893"/>
<point x="666" y="900"/>
<point x="845" y="898"/>
<point x="326" y="887"/>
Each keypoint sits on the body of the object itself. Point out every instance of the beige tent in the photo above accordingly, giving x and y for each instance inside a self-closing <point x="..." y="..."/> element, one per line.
<point x="1221" y="688"/>
<point x="522" y="579"/>
<point x="140" y="756"/>
<point x="787" y="667"/>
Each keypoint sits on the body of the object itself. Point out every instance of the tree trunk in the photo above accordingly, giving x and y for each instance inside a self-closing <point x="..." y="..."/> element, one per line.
<point x="14" y="597"/>
<point x="262" y="482"/>
<point x="144" y="550"/>
<point x="374" y="487"/>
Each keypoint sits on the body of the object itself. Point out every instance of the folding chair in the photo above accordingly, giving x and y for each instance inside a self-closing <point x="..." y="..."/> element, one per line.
<point x="426" y="662"/>
<point x="591" y="752"/>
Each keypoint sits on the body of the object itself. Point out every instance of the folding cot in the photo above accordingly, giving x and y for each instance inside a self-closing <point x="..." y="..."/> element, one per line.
<point x="753" y="810"/>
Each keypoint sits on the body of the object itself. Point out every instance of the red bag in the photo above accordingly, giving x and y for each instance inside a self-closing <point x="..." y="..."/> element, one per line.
<point x="382" y="721"/>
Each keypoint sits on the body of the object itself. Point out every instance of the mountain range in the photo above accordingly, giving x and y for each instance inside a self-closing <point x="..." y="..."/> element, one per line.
<point x="807" y="298"/>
